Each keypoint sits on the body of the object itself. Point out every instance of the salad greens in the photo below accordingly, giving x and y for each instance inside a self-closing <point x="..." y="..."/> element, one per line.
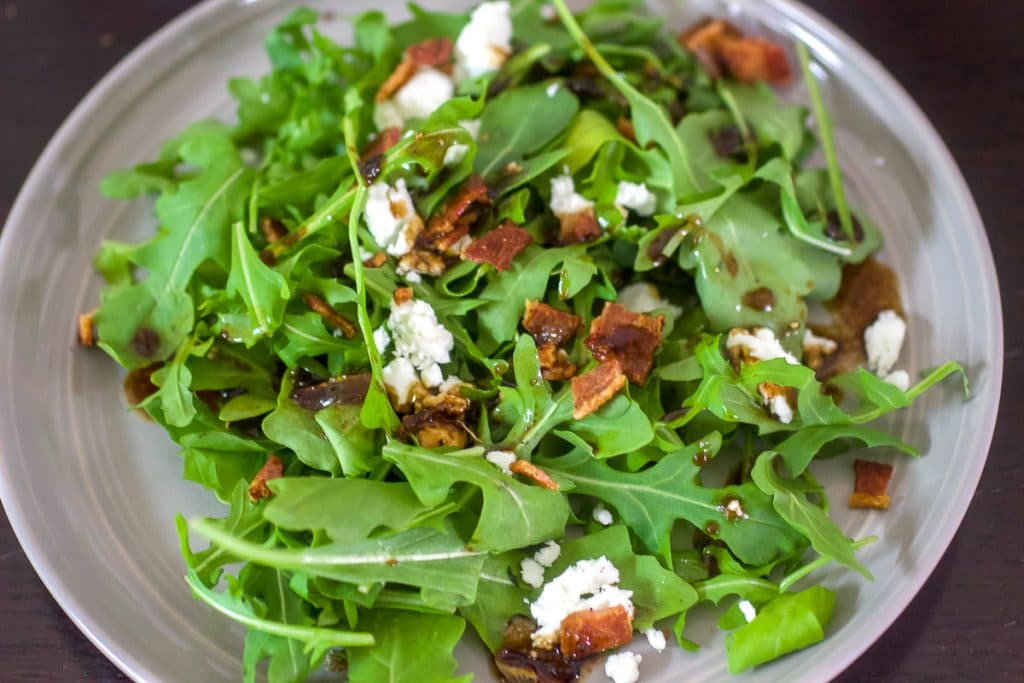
<point x="388" y="481"/>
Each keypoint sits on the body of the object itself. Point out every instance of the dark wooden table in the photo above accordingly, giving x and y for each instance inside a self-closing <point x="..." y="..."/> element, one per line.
<point x="962" y="60"/>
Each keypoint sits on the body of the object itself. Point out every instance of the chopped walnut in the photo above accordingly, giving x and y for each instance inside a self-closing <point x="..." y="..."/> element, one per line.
<point x="401" y="295"/>
<point x="87" y="329"/>
<point x="272" y="229"/>
<point x="631" y="338"/>
<point x="555" y="365"/>
<point x="871" y="485"/>
<point x="548" y="325"/>
<point x="330" y="316"/>
<point x="527" y="469"/>
<point x="499" y="247"/>
<point x="377" y="260"/>
<point x="273" y="468"/>
<point x="592" y="390"/>
<point x="590" y="632"/>
<point x="578" y="227"/>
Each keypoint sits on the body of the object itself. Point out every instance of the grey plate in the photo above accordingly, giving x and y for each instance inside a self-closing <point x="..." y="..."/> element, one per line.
<point x="92" y="491"/>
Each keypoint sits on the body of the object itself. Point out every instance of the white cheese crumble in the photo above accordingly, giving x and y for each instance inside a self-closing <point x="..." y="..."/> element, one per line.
<point x="565" y="201"/>
<point x="899" y="379"/>
<point x="455" y="154"/>
<point x="602" y="515"/>
<point x="532" y="572"/>
<point x="736" y="508"/>
<point x="636" y="197"/>
<point x="381" y="339"/>
<point x="471" y="126"/>
<point x="548" y="12"/>
<point x="623" y="667"/>
<point x="501" y="460"/>
<point x="760" y="344"/>
<point x="431" y="376"/>
<point x="389" y="214"/>
<point x="781" y="409"/>
<point x="747" y="608"/>
<point x="883" y="340"/>
<point x="486" y="41"/>
<point x="822" y="345"/>
<point x="588" y="584"/>
<point x="552" y="89"/>
<point x="417" y="334"/>
<point x="401" y="378"/>
<point x="420" y="97"/>
<point x="656" y="638"/>
<point x="643" y="297"/>
<point x="548" y="553"/>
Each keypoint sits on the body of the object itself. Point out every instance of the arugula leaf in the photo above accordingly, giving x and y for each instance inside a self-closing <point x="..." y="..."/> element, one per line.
<point x="410" y="647"/>
<point x="263" y="290"/>
<point x="790" y="622"/>
<point x="498" y="596"/>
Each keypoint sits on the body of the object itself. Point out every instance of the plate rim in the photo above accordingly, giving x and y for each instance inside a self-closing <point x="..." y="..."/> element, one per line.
<point x="822" y="35"/>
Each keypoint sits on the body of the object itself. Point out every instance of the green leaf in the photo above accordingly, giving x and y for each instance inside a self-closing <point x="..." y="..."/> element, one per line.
<point x="498" y="597"/>
<point x="412" y="648"/>
<point x="773" y="123"/>
<point x="513" y="514"/>
<point x="788" y="623"/>
<point x="263" y="290"/>
<point x="244" y="521"/>
<point x="798" y="449"/>
<point x="296" y="428"/>
<point x="619" y="426"/>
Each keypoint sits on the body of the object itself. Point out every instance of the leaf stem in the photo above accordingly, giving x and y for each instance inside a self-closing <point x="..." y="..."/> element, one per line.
<point x="788" y="581"/>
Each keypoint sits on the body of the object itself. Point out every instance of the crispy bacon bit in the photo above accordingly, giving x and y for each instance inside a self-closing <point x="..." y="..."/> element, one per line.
<point x="433" y="52"/>
<point x="272" y="229"/>
<point x="721" y="47"/>
<point x="625" y="127"/>
<point x="330" y="316"/>
<point x="377" y="260"/>
<point x="871" y="485"/>
<point x="555" y="365"/>
<point x="578" y="227"/>
<point x="590" y="632"/>
<point x="273" y="468"/>
<point x="344" y="390"/>
<point x="548" y="325"/>
<point x="592" y="390"/>
<point x="401" y="295"/>
<point x="456" y="217"/>
<point x="527" y="469"/>
<point x="87" y="329"/>
<point x="385" y="140"/>
<point x="499" y="247"/>
<point x="631" y="338"/>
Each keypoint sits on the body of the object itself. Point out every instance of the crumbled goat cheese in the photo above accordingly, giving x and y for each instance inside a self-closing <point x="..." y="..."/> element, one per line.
<point x="735" y="509"/>
<point x="420" y="97"/>
<point x="400" y="376"/>
<point x="501" y="460"/>
<point x="899" y="379"/>
<point x="548" y="553"/>
<point x="588" y="584"/>
<point x="822" y="345"/>
<point x="408" y="274"/>
<point x="486" y="41"/>
<point x="455" y="154"/>
<point x="532" y="572"/>
<point x="389" y="212"/>
<point x="381" y="339"/>
<point x="431" y="376"/>
<point x="759" y="345"/>
<point x="552" y="89"/>
<point x="418" y="336"/>
<point x="623" y="667"/>
<point x="883" y="340"/>
<point x="637" y="197"/>
<point x="747" y="608"/>
<point x="548" y="12"/>
<point x="602" y="515"/>
<point x="643" y="297"/>
<point x="656" y="638"/>
<point x="565" y="201"/>
<point x="471" y="126"/>
<point x="780" y="408"/>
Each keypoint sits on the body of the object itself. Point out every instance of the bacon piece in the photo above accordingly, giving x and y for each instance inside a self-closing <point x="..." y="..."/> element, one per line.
<point x="432" y="52"/>
<point x="385" y="140"/>
<point x="579" y="227"/>
<point x="721" y="47"/>
<point x="401" y="295"/>
<point x="527" y="469"/>
<point x="592" y="390"/>
<point x="555" y="365"/>
<point x="87" y="329"/>
<point x="590" y="632"/>
<point x="499" y="247"/>
<point x="272" y="229"/>
<point x="377" y="260"/>
<point x="456" y="216"/>
<point x="273" y="468"/>
<point x="330" y="316"/>
<point x="548" y="325"/>
<point x="631" y="338"/>
<point x="871" y="485"/>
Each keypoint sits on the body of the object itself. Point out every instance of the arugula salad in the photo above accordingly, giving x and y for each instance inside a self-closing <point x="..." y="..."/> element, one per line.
<point x="517" y="322"/>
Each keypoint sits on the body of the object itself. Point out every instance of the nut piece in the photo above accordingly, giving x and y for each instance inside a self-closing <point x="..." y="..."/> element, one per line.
<point x="330" y="316"/>
<point x="631" y="338"/>
<point x="531" y="471"/>
<point x="273" y="468"/>
<point x="87" y="329"/>
<point x="590" y="632"/>
<point x="578" y="227"/>
<point x="595" y="388"/>
<point x="555" y="365"/>
<point x="871" y="485"/>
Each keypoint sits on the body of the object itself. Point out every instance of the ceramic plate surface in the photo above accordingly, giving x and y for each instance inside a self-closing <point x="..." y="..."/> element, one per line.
<point x="92" y="491"/>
